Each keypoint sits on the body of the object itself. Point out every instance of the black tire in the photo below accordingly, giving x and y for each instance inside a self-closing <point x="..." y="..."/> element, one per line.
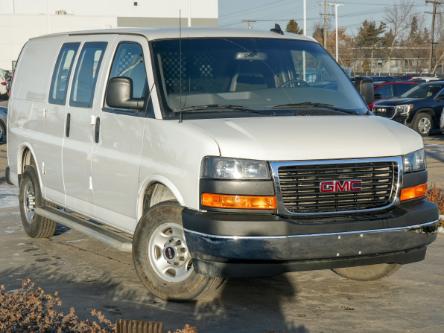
<point x="367" y="273"/>
<point x="2" y="132"/>
<point x="418" y="123"/>
<point x="35" y="226"/>
<point x="194" y="286"/>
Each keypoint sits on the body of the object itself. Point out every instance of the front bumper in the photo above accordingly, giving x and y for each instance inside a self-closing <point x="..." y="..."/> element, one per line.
<point x="258" y="245"/>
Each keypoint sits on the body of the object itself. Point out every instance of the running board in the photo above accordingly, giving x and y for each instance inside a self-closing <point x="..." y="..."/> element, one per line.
<point x="108" y="235"/>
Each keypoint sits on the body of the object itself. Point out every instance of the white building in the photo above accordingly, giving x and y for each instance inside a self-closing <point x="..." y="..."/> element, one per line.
<point x="23" y="19"/>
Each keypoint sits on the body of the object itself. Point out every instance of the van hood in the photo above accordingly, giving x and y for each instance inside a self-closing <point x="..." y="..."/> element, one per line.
<point x="309" y="138"/>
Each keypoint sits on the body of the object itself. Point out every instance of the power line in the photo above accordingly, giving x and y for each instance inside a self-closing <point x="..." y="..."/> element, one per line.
<point x="325" y="14"/>
<point x="434" y="12"/>
<point x="254" y="9"/>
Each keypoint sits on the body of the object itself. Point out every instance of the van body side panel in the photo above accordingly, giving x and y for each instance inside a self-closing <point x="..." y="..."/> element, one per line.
<point x="173" y="151"/>
<point x="30" y="119"/>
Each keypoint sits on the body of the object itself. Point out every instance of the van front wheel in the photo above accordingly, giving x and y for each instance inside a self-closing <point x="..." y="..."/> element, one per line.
<point x="162" y="259"/>
<point x="367" y="273"/>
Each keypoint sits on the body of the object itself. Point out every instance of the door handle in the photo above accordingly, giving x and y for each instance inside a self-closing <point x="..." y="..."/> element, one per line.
<point x="68" y="125"/>
<point x="97" y="130"/>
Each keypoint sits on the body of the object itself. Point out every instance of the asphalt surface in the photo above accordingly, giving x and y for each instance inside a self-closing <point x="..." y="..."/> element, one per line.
<point x="90" y="275"/>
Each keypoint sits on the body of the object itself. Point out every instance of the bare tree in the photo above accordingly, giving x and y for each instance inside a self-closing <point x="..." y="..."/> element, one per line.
<point x="398" y="19"/>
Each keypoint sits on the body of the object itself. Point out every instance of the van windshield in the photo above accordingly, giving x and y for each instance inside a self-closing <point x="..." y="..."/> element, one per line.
<point x="218" y="77"/>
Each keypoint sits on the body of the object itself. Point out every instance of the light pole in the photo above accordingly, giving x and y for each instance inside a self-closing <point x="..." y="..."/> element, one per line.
<point x="337" y="5"/>
<point x="189" y="14"/>
<point x="304" y="61"/>
<point x="305" y="17"/>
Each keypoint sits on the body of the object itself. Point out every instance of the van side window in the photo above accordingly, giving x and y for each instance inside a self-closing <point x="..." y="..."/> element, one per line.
<point x="129" y="62"/>
<point x="87" y="70"/>
<point x="62" y="73"/>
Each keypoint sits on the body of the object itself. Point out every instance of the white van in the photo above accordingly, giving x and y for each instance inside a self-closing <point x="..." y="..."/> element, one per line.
<point x="212" y="154"/>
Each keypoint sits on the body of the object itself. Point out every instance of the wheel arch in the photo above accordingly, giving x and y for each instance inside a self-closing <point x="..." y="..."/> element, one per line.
<point x="26" y="156"/>
<point x="168" y="191"/>
<point x="428" y="111"/>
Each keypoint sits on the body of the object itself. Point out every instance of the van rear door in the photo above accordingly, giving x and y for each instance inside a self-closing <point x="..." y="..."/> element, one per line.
<point x="80" y="123"/>
<point x="55" y="116"/>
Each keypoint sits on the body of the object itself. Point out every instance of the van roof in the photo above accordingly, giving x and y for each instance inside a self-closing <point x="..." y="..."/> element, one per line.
<point x="168" y="33"/>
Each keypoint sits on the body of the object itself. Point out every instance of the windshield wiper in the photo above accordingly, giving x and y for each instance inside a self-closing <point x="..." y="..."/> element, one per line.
<point x="312" y="105"/>
<point x="219" y="107"/>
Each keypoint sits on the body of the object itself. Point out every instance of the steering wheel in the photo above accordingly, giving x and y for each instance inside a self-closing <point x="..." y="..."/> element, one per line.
<point x="293" y="83"/>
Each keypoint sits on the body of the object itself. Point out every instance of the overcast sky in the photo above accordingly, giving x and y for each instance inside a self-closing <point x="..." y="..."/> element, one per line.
<point x="232" y="12"/>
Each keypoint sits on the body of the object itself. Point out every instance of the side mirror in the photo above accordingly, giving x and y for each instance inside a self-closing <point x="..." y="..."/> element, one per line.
<point x="119" y="92"/>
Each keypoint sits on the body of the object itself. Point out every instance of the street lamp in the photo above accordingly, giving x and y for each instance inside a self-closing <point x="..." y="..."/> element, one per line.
<point x="305" y="17"/>
<point x="337" y="5"/>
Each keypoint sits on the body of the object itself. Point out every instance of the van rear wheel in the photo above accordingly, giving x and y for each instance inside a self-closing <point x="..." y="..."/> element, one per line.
<point x="162" y="259"/>
<point x="30" y="197"/>
<point x="367" y="273"/>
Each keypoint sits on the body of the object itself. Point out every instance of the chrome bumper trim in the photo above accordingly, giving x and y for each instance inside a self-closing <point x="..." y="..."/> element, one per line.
<point x="361" y="232"/>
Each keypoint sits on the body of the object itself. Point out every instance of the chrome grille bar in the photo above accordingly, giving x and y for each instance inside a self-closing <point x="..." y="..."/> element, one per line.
<point x="297" y="185"/>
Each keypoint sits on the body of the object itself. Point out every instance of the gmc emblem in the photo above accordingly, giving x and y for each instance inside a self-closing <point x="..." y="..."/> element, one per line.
<point x="334" y="186"/>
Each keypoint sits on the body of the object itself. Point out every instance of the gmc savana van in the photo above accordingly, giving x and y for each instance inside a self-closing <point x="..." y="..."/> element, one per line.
<point x="212" y="154"/>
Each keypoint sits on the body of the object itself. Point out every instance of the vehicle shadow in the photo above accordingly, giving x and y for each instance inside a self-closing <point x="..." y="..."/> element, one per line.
<point x="242" y="305"/>
<point x="251" y="305"/>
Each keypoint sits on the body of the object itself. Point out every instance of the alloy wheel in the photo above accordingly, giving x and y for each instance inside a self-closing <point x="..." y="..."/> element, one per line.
<point x="168" y="253"/>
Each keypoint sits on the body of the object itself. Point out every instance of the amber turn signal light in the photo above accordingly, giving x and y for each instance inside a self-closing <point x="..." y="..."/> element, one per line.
<point x="238" y="201"/>
<point x="414" y="192"/>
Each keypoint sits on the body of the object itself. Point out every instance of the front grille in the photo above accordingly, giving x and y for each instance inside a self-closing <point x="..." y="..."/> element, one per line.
<point x="384" y="111"/>
<point x="299" y="186"/>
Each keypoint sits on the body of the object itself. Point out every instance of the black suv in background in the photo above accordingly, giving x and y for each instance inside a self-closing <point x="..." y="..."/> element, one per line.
<point x="419" y="108"/>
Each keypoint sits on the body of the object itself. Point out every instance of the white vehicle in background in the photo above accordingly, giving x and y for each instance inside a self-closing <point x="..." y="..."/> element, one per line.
<point x="441" y="123"/>
<point x="3" y="83"/>
<point x="210" y="154"/>
<point x="425" y="78"/>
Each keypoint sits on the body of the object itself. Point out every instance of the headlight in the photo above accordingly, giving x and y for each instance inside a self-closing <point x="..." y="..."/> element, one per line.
<point x="404" y="109"/>
<point x="230" y="168"/>
<point x="415" y="161"/>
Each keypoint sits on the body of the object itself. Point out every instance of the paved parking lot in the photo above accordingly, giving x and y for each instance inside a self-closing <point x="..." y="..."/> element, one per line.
<point x="87" y="274"/>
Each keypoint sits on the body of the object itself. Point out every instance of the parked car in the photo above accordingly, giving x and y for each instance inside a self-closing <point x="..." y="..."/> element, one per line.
<point x="3" y="121"/>
<point x="9" y="78"/>
<point x="419" y="108"/>
<point x="208" y="155"/>
<point x="3" y="83"/>
<point x="389" y="90"/>
<point x="441" y="123"/>
<point x="425" y="78"/>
